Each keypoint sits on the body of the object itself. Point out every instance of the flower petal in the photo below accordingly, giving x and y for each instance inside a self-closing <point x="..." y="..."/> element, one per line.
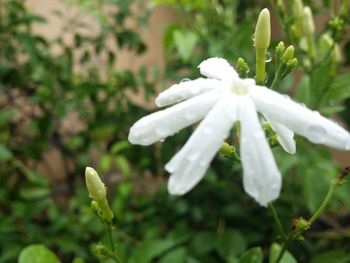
<point x="285" y="137"/>
<point x="185" y="90"/>
<point x="162" y="124"/>
<point x="261" y="178"/>
<point x="189" y="165"/>
<point x="300" y="119"/>
<point x="217" y="68"/>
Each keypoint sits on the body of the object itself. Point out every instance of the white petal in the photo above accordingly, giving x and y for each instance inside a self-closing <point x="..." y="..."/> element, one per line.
<point x="300" y="119"/>
<point x="185" y="90"/>
<point x="261" y="178"/>
<point x="217" y="68"/>
<point x="285" y="137"/>
<point x="189" y="165"/>
<point x="162" y="124"/>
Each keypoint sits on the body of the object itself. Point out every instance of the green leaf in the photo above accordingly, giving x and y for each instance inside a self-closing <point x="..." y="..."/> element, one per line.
<point x="122" y="163"/>
<point x="5" y="154"/>
<point x="185" y="42"/>
<point x="230" y="243"/>
<point x="340" y="88"/>
<point x="303" y="91"/>
<point x="150" y="249"/>
<point x="332" y="257"/>
<point x="37" y="254"/>
<point x="274" y="252"/>
<point x="175" y="256"/>
<point x="253" y="255"/>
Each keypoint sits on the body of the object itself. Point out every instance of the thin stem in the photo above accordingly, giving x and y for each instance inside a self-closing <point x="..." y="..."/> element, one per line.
<point x="334" y="184"/>
<point x="278" y="222"/>
<point x="284" y="248"/>
<point x="112" y="244"/>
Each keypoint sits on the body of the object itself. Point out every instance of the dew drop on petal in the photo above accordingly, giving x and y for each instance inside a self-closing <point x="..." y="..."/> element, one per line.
<point x="185" y="80"/>
<point x="162" y="131"/>
<point x="190" y="115"/>
<point x="316" y="134"/>
<point x="207" y="130"/>
<point x="268" y="57"/>
<point x="258" y="135"/>
<point x="192" y="157"/>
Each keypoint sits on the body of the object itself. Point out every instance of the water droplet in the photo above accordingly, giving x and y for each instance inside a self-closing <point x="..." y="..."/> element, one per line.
<point x="332" y="103"/>
<point x="195" y="90"/>
<point x="207" y="130"/>
<point x="162" y="140"/>
<point x="253" y="37"/>
<point x="162" y="131"/>
<point x="193" y="157"/>
<point x="258" y="135"/>
<point x="185" y="80"/>
<point x="268" y="57"/>
<point x="316" y="134"/>
<point x="202" y="163"/>
<point x="145" y="141"/>
<point x="190" y="115"/>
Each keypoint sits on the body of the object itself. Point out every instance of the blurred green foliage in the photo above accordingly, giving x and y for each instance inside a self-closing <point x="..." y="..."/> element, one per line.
<point x="41" y="87"/>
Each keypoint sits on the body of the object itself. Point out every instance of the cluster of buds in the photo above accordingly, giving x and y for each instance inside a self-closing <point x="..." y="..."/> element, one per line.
<point x="97" y="191"/>
<point x="229" y="151"/>
<point x="285" y="60"/>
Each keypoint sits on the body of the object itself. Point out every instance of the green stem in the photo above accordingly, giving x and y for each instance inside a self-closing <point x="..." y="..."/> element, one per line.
<point x="297" y="232"/>
<point x="334" y="184"/>
<point x="278" y="222"/>
<point x="112" y="244"/>
<point x="260" y="66"/>
<point x="284" y="248"/>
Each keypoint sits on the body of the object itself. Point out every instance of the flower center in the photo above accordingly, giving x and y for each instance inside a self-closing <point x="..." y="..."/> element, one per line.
<point x="241" y="86"/>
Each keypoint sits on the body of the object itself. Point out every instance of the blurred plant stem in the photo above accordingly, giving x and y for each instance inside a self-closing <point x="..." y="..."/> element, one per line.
<point x="277" y="221"/>
<point x="300" y="225"/>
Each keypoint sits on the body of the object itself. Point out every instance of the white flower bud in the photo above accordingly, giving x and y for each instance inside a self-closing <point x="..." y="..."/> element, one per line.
<point x="308" y="22"/>
<point x="263" y="30"/>
<point x="95" y="186"/>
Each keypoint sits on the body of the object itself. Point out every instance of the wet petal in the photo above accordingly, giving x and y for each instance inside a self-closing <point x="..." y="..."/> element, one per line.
<point x="185" y="90"/>
<point x="217" y="68"/>
<point x="261" y="178"/>
<point x="189" y="165"/>
<point x="300" y="119"/>
<point x="285" y="137"/>
<point x="162" y="124"/>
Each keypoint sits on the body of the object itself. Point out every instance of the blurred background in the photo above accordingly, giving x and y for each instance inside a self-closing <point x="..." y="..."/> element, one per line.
<point x="76" y="74"/>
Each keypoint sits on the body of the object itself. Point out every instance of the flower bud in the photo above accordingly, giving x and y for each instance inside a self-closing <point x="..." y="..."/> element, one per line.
<point x="242" y="68"/>
<point x="308" y="22"/>
<point x="95" y="186"/>
<point x="297" y="9"/>
<point x="336" y="54"/>
<point x="263" y="30"/>
<point x="288" y="54"/>
<point x="280" y="48"/>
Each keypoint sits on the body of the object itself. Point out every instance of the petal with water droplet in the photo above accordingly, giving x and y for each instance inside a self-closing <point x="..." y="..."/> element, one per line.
<point x="261" y="178"/>
<point x="185" y="90"/>
<point x="285" y="136"/>
<point x="162" y="124"/>
<point x="300" y="119"/>
<point x="189" y="165"/>
<point x="217" y="68"/>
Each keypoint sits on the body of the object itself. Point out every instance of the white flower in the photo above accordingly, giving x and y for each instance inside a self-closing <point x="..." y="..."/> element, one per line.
<point x="223" y="99"/>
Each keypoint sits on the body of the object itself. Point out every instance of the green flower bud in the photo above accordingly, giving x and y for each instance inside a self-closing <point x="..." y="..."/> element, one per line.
<point x="280" y="48"/>
<point x="263" y="30"/>
<point x="288" y="54"/>
<point x="308" y="22"/>
<point x="95" y="186"/>
<point x="229" y="151"/>
<point x="297" y="9"/>
<point x="336" y="54"/>
<point x="242" y="68"/>
<point x="281" y="7"/>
